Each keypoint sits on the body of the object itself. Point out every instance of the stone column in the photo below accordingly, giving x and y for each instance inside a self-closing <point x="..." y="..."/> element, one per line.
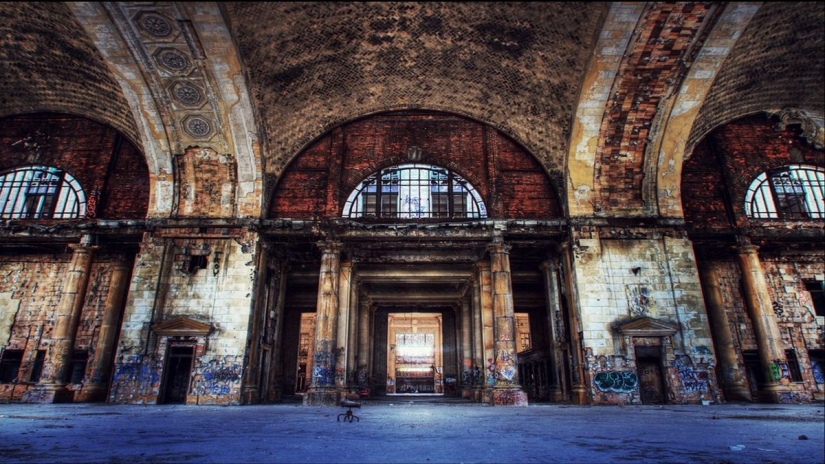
<point x="322" y="385"/>
<point x="466" y="350"/>
<point x="551" y="289"/>
<point x="765" y="326"/>
<point x="579" y="389"/>
<point x="352" y="336"/>
<point x="477" y="370"/>
<point x="278" y="291"/>
<point x="101" y="363"/>
<point x="342" y="349"/>
<point x="733" y="380"/>
<point x="52" y="385"/>
<point x="364" y="361"/>
<point x="507" y="391"/>
<point x="488" y="349"/>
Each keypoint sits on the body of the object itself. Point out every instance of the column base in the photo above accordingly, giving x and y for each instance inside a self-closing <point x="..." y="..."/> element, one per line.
<point x="509" y="397"/>
<point x="249" y="395"/>
<point x="783" y="394"/>
<point x="555" y="395"/>
<point x="579" y="395"/>
<point x="322" y="398"/>
<point x="738" y="393"/>
<point x="49" y="393"/>
<point x="93" y="393"/>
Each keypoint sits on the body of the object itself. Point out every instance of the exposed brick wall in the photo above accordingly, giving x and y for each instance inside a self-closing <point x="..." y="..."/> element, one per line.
<point x="667" y="35"/>
<point x="779" y="34"/>
<point x="516" y="66"/>
<point x="730" y="158"/>
<point x="84" y="149"/>
<point x="510" y="181"/>
<point x="51" y="64"/>
<point x="785" y="276"/>
<point x="206" y="183"/>
<point x="36" y="282"/>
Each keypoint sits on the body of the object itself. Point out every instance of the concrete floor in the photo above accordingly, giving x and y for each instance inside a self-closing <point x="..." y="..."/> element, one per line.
<point x="405" y="430"/>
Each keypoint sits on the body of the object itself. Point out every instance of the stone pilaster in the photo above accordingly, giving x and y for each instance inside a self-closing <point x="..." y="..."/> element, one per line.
<point x="488" y="351"/>
<point x="52" y="385"/>
<point x="733" y="380"/>
<point x="101" y="363"/>
<point x="765" y="326"/>
<point x="551" y="288"/>
<point x="578" y="389"/>
<point x="466" y="351"/>
<point x="344" y="305"/>
<point x="507" y="390"/>
<point x="322" y="385"/>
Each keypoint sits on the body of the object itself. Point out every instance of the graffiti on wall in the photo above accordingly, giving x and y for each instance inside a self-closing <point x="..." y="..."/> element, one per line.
<point x="139" y="373"/>
<point x="217" y="378"/>
<point x="616" y="381"/>
<point x="505" y="367"/>
<point x="640" y="302"/>
<point x="135" y="376"/>
<point x="323" y="372"/>
<point x="693" y="379"/>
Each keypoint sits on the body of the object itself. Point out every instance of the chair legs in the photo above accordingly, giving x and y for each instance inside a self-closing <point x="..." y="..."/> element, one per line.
<point x="348" y="416"/>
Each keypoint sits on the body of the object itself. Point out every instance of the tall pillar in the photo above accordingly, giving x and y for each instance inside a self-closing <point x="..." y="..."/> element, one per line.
<point x="478" y="338"/>
<point x="579" y="389"/>
<point x="765" y="327"/>
<point x="733" y="380"/>
<point x="342" y="349"/>
<point x="56" y="370"/>
<point x="278" y="284"/>
<point x="507" y="391"/>
<point x="488" y="349"/>
<point x="466" y="350"/>
<point x="101" y="363"/>
<point x="322" y="385"/>
<point x="352" y="336"/>
<point x="364" y="358"/>
<point x="551" y="289"/>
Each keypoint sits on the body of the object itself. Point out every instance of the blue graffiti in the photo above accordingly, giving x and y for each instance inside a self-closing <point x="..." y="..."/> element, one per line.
<point x="616" y="381"/>
<point x="136" y="372"/>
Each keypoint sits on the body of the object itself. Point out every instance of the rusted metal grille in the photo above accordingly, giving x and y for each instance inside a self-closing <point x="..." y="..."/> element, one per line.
<point x="38" y="192"/>
<point x="415" y="191"/>
<point x="789" y="193"/>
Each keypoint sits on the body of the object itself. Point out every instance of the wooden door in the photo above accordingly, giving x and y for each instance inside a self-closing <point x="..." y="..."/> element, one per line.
<point x="176" y="374"/>
<point x="651" y="383"/>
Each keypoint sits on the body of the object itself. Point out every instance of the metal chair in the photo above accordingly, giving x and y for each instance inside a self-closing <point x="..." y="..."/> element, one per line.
<point x="350" y="401"/>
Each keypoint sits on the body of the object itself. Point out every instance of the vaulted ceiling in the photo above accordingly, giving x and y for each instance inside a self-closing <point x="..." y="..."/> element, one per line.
<point x="610" y="97"/>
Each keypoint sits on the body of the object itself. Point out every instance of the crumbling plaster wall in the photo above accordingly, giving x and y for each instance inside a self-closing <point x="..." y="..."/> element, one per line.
<point x="219" y="295"/>
<point x="633" y="273"/>
<point x="31" y="287"/>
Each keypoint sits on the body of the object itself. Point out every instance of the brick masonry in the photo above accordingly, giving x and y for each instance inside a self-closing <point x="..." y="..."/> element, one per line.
<point x="510" y="181"/>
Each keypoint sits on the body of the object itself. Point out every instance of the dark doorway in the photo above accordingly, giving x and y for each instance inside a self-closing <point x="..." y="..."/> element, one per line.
<point x="649" y="369"/>
<point x="176" y="374"/>
<point x="753" y="369"/>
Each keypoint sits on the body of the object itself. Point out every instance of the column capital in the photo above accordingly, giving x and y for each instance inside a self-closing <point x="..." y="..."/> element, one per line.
<point x="548" y="265"/>
<point x="498" y="246"/>
<point x="86" y="244"/>
<point x="746" y="249"/>
<point x="330" y="246"/>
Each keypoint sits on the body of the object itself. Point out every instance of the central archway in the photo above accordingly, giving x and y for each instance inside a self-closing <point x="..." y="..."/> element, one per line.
<point x="415" y="351"/>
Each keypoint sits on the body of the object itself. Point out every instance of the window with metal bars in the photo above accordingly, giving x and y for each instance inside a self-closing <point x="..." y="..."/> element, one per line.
<point x="793" y="192"/>
<point x="40" y="192"/>
<point x="415" y="191"/>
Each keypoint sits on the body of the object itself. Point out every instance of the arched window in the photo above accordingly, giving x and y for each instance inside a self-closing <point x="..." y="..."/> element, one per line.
<point x="415" y="191"/>
<point x="40" y="192"/>
<point x="792" y="192"/>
